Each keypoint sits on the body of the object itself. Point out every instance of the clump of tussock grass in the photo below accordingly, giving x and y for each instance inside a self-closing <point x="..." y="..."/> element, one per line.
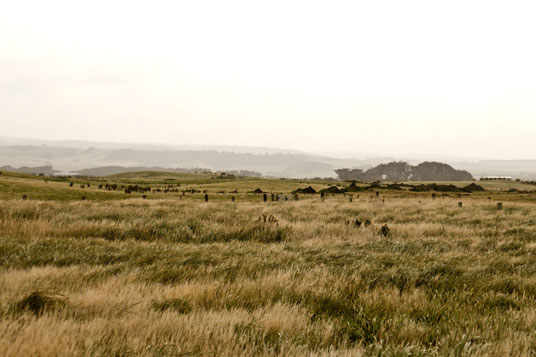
<point x="356" y="322"/>
<point x="25" y="213"/>
<point x="255" y="233"/>
<point x="264" y="341"/>
<point x="38" y="302"/>
<point x="384" y="230"/>
<point x="177" y="305"/>
<point x="500" y="302"/>
<point x="512" y="247"/>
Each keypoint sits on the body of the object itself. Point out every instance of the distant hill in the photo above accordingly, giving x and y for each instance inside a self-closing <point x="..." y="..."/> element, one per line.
<point x="44" y="170"/>
<point x="97" y="161"/>
<point x="114" y="170"/>
<point x="69" y="156"/>
<point x="402" y="171"/>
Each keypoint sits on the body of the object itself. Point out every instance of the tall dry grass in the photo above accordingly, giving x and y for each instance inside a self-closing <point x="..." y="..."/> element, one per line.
<point x="175" y="278"/>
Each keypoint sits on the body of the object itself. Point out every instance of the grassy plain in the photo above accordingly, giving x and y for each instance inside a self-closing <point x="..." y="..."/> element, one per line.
<point x="171" y="275"/>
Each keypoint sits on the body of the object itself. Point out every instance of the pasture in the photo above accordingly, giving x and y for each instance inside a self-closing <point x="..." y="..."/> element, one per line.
<point x="172" y="275"/>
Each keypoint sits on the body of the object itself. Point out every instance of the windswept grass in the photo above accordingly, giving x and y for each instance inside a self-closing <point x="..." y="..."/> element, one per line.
<point x="175" y="277"/>
<point x="38" y="302"/>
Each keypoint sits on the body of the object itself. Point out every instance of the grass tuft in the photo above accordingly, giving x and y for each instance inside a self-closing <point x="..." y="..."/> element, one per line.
<point x="39" y="302"/>
<point x="179" y="306"/>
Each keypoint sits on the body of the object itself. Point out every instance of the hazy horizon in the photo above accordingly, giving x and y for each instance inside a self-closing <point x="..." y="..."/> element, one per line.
<point x="452" y="79"/>
<point x="341" y="154"/>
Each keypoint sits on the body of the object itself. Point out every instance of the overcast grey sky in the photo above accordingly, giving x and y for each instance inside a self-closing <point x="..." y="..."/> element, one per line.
<point x="398" y="77"/>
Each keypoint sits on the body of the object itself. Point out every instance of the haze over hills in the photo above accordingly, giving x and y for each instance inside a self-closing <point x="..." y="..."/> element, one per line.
<point x="69" y="156"/>
<point x="79" y="155"/>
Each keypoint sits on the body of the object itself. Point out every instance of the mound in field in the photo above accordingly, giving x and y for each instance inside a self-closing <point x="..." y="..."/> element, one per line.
<point x="474" y="188"/>
<point x="354" y="188"/>
<point x="332" y="189"/>
<point x="308" y="190"/>
<point x="447" y="188"/>
<point x="257" y="190"/>
<point x="437" y="188"/>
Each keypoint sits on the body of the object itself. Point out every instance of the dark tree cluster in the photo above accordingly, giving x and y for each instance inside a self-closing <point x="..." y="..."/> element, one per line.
<point x="402" y="171"/>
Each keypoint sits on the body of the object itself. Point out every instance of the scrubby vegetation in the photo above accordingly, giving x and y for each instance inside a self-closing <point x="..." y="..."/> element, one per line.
<point x="402" y="171"/>
<point x="393" y="273"/>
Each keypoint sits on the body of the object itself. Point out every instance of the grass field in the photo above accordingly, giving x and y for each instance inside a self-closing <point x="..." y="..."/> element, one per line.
<point x="171" y="275"/>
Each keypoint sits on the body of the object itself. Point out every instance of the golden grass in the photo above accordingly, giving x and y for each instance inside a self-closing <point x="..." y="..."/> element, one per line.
<point x="170" y="277"/>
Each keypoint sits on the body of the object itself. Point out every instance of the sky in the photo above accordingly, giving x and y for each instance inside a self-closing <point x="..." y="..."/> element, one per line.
<point x="447" y="78"/>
